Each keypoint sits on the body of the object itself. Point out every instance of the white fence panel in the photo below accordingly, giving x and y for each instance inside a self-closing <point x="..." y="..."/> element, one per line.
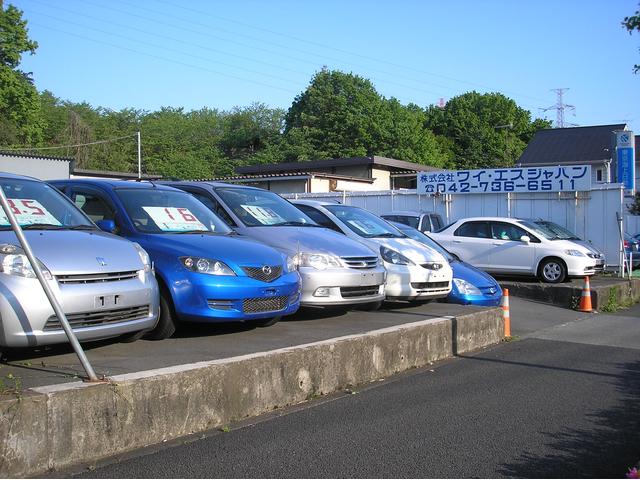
<point x="591" y="215"/>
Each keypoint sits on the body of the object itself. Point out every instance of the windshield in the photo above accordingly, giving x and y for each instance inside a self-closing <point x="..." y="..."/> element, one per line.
<point x="428" y="241"/>
<point x="38" y="206"/>
<point x="166" y="211"/>
<point x="560" y="232"/>
<point x="262" y="208"/>
<point x="364" y="223"/>
<point x="541" y="230"/>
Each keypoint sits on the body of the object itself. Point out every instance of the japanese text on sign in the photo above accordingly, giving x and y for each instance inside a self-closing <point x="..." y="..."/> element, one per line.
<point x="502" y="180"/>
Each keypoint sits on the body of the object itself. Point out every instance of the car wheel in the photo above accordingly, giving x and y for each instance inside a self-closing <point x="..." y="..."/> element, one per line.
<point x="370" y="307"/>
<point x="552" y="270"/>
<point x="166" y="323"/>
<point x="265" y="322"/>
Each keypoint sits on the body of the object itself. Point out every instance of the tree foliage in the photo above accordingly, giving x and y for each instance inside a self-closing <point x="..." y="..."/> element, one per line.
<point x="632" y="23"/>
<point x="486" y="130"/>
<point x="20" y="119"/>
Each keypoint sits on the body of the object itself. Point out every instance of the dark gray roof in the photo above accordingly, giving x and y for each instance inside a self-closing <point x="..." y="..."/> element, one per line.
<point x="334" y="162"/>
<point x="285" y="176"/>
<point x="570" y="145"/>
<point x="109" y="174"/>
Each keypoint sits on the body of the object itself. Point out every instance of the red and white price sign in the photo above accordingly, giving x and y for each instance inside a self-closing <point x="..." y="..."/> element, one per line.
<point x="174" y="219"/>
<point x="28" y="212"/>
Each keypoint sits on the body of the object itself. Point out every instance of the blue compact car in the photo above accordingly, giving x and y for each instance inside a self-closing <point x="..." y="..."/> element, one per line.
<point x="471" y="286"/>
<point x="205" y="271"/>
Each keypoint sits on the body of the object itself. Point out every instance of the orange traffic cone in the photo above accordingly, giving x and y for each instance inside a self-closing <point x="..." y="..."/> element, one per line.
<point x="585" y="298"/>
<point x="505" y="312"/>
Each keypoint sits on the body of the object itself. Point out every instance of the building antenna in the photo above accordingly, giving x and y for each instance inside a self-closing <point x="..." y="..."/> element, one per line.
<point x="560" y="107"/>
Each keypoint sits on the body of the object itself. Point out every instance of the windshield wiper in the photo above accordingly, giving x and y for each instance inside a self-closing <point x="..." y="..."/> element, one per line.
<point x="43" y="226"/>
<point x="82" y="227"/>
<point x="293" y="224"/>
<point x="387" y="235"/>
<point x="181" y="232"/>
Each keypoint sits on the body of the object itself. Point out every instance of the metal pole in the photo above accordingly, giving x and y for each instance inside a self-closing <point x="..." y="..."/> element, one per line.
<point x="47" y="289"/>
<point x="139" y="158"/>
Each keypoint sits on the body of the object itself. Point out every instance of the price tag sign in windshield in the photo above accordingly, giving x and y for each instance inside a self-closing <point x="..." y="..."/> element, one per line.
<point x="28" y="212"/>
<point x="172" y="219"/>
<point x="504" y="180"/>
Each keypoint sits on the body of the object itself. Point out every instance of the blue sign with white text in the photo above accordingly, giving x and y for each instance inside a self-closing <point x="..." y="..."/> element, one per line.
<point x="625" y="159"/>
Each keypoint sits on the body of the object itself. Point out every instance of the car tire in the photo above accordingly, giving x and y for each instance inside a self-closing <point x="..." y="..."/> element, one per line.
<point x="166" y="325"/>
<point x="552" y="270"/>
<point x="266" y="322"/>
<point x="370" y="307"/>
<point x="132" y="337"/>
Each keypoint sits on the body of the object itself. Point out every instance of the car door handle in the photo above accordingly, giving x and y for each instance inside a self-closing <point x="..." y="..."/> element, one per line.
<point x="457" y="241"/>
<point x="497" y="243"/>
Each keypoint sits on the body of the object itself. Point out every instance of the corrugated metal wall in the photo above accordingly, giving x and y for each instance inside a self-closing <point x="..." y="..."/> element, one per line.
<point x="591" y="215"/>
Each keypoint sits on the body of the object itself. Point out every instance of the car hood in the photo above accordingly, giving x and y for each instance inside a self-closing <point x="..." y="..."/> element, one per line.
<point x="229" y="249"/>
<point x="68" y="252"/>
<point x="473" y="275"/>
<point x="588" y="245"/>
<point x="571" y="245"/>
<point x="417" y="252"/>
<point x="308" y="239"/>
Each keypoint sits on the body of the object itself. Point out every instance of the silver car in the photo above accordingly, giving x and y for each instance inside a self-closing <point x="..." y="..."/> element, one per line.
<point x="335" y="270"/>
<point x="104" y="283"/>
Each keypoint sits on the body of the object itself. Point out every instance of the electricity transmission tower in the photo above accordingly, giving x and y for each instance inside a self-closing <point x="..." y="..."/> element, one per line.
<point x="560" y="108"/>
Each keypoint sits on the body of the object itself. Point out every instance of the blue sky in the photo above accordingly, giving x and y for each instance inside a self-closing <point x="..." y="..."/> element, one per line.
<point x="150" y="53"/>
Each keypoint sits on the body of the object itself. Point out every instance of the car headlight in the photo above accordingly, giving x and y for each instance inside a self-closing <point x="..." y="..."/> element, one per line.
<point x="13" y="261"/>
<point x="291" y="263"/>
<point x="144" y="257"/>
<point x="574" y="253"/>
<point x="465" y="287"/>
<point x="391" y="256"/>
<point x="206" y="265"/>
<point x="319" y="261"/>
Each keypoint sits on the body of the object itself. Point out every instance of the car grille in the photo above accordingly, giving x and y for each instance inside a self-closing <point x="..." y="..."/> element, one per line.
<point x="491" y="291"/>
<point x="350" y="292"/>
<point x="96" y="277"/>
<point x="429" y="285"/>
<point x="432" y="266"/>
<point x="258" y="273"/>
<point x="360" y="262"/>
<point x="101" y="317"/>
<point x="257" y="305"/>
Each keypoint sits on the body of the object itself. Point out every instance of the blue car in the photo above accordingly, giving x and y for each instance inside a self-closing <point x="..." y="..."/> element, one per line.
<point x="205" y="271"/>
<point x="471" y="286"/>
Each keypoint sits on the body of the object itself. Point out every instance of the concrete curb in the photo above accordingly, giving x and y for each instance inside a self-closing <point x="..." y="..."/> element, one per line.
<point x="568" y="296"/>
<point x="53" y="427"/>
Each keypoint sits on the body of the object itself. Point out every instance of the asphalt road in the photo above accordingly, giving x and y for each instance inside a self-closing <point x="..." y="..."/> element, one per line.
<point x="563" y="401"/>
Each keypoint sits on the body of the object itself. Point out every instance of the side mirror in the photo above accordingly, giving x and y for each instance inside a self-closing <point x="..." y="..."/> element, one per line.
<point x="108" y="226"/>
<point x="525" y="239"/>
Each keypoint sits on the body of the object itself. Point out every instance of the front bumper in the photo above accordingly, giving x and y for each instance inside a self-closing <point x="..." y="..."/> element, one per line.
<point x="580" y="266"/>
<point x="210" y="299"/>
<point x="411" y="282"/>
<point x="28" y="320"/>
<point x="342" y="286"/>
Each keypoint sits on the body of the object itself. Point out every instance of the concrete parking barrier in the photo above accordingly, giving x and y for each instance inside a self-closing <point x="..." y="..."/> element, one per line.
<point x="49" y="428"/>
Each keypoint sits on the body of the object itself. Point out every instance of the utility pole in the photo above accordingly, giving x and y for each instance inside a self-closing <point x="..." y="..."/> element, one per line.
<point x="560" y="107"/>
<point x="139" y="155"/>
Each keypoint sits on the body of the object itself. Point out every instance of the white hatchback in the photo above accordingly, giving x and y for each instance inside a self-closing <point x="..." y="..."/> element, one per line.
<point x="514" y="246"/>
<point x="414" y="271"/>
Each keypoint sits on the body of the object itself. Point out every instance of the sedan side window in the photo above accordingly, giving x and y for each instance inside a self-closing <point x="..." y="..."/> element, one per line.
<point x="506" y="231"/>
<point x="474" y="230"/>
<point x="94" y="207"/>
<point x="319" y="217"/>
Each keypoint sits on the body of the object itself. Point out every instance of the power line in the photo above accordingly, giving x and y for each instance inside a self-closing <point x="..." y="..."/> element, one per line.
<point x="158" y="57"/>
<point x="12" y="149"/>
<point x="560" y="107"/>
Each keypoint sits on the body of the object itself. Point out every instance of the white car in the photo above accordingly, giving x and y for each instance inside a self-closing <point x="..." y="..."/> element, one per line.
<point x="514" y="246"/>
<point x="414" y="271"/>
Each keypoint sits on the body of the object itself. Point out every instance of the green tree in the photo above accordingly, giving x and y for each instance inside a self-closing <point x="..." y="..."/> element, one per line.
<point x="484" y="130"/>
<point x="632" y="23"/>
<point x="250" y="130"/>
<point x="20" y="120"/>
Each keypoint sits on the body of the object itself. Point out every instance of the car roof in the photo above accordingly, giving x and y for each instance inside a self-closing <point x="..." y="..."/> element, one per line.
<point x="317" y="203"/>
<point x="14" y="176"/>
<point x="416" y="213"/>
<point x="209" y="183"/>
<point x="114" y="183"/>
<point x="488" y="219"/>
